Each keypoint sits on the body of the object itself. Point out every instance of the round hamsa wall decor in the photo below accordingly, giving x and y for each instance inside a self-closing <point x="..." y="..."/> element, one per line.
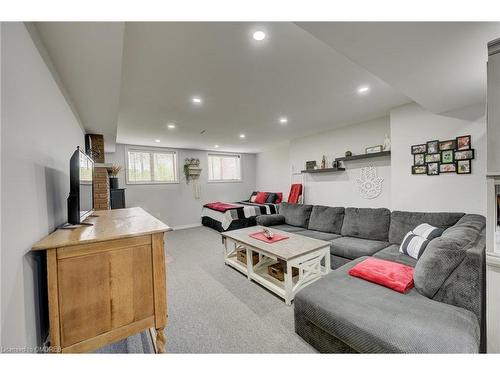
<point x="369" y="184"/>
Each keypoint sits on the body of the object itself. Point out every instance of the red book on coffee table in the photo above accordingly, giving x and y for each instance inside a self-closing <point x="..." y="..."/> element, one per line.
<point x="262" y="237"/>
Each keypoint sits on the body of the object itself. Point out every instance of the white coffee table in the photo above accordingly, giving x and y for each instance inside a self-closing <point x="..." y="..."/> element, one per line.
<point x="297" y="251"/>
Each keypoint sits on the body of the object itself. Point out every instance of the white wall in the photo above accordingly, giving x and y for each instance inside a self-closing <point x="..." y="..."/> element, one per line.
<point x="175" y="203"/>
<point x="273" y="170"/>
<point x="340" y="188"/>
<point x="39" y="134"/>
<point x="411" y="125"/>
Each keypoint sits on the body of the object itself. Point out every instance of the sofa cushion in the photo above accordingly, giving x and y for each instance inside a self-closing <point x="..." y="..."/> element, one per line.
<point x="270" y="220"/>
<point x="443" y="255"/>
<point x="336" y="261"/>
<point x="318" y="235"/>
<point x="402" y="222"/>
<point x="327" y="219"/>
<point x="296" y="214"/>
<point x="368" y="223"/>
<point x="373" y="319"/>
<point x="287" y="228"/>
<point x="352" y="248"/>
<point x="393" y="254"/>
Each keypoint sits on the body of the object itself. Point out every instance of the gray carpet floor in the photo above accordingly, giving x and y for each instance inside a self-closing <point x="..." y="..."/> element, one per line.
<point x="214" y="308"/>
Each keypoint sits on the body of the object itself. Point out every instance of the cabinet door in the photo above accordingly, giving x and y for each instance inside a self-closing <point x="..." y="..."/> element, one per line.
<point x="103" y="291"/>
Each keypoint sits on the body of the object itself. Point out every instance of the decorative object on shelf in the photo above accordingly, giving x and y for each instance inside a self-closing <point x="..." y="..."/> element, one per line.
<point x="192" y="171"/>
<point x="335" y="164"/>
<point x="369" y="184"/>
<point x="323" y="162"/>
<point x="348" y="154"/>
<point x="310" y="164"/>
<point x="373" y="149"/>
<point x="113" y="176"/>
<point x="387" y="143"/>
<point x="449" y="156"/>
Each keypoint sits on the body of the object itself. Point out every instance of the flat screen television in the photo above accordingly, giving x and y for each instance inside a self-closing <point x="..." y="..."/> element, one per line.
<point x="81" y="194"/>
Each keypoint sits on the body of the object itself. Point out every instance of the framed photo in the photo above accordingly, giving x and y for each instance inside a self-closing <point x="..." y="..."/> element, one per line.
<point x="419" y="159"/>
<point x="373" y="149"/>
<point x="447" y="168"/>
<point x="432" y="158"/>
<point x="463" y="143"/>
<point x="432" y="147"/>
<point x="310" y="164"/>
<point x="464" y="155"/>
<point x="464" y="167"/>
<point x="432" y="169"/>
<point x="419" y="169"/>
<point x="447" y="157"/>
<point x="448" y="145"/>
<point x="419" y="149"/>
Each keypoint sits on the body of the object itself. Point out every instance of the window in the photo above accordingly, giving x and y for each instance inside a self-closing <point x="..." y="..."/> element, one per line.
<point x="223" y="167"/>
<point x="151" y="166"/>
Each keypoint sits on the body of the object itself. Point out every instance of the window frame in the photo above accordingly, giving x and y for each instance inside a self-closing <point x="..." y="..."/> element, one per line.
<point x="151" y="151"/>
<point x="240" y="180"/>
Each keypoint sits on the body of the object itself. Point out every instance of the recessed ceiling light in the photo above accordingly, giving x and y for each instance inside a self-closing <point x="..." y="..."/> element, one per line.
<point x="363" y="89"/>
<point x="283" y="120"/>
<point x="196" y="100"/>
<point x="157" y="141"/>
<point x="216" y="146"/>
<point x="259" y="35"/>
<point x="171" y="125"/>
<point x="242" y="135"/>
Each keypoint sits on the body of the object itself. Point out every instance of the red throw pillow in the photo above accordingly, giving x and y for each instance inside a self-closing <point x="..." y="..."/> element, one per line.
<point x="261" y="197"/>
<point x="386" y="273"/>
<point x="279" y="199"/>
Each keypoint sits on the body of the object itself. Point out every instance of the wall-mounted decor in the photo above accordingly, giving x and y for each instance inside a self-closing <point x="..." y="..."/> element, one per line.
<point x="432" y="169"/>
<point x="369" y="184"/>
<point x="419" y="169"/>
<point x="192" y="171"/>
<point x="374" y="149"/>
<point x="463" y="143"/>
<point x="311" y="164"/>
<point x="435" y="157"/>
<point x="464" y="167"/>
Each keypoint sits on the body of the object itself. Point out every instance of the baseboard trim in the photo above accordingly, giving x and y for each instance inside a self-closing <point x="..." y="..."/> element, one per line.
<point x="187" y="226"/>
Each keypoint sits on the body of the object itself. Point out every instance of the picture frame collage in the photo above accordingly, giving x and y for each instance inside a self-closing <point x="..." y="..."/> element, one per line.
<point x="435" y="157"/>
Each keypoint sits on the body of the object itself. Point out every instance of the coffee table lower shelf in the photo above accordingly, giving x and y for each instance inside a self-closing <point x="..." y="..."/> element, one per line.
<point x="309" y="266"/>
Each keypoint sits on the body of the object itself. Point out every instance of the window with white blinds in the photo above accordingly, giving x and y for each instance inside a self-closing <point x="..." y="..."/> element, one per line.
<point x="223" y="167"/>
<point x="154" y="167"/>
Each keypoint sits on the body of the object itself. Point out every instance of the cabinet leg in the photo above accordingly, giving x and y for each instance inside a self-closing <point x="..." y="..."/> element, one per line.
<point x="160" y="340"/>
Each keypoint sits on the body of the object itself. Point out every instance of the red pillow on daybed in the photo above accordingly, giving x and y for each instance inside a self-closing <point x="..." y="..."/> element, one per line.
<point x="383" y="272"/>
<point x="261" y="197"/>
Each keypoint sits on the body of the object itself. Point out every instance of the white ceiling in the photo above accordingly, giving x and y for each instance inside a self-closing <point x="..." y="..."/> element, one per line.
<point x="88" y="59"/>
<point x="440" y="65"/>
<point x="134" y="79"/>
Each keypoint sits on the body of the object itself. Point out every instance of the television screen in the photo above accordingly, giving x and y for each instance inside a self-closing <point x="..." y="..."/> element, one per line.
<point x="86" y="192"/>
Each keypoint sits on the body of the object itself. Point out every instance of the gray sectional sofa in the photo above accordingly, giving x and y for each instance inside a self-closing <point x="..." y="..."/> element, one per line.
<point x="443" y="313"/>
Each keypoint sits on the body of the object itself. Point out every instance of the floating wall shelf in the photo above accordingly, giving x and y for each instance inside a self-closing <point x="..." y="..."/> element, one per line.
<point x="324" y="170"/>
<point x="364" y="156"/>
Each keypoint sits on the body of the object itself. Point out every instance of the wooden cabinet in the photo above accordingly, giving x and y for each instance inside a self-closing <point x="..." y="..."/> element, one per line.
<point x="106" y="282"/>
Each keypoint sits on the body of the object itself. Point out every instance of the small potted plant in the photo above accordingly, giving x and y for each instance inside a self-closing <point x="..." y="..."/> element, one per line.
<point x="113" y="176"/>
